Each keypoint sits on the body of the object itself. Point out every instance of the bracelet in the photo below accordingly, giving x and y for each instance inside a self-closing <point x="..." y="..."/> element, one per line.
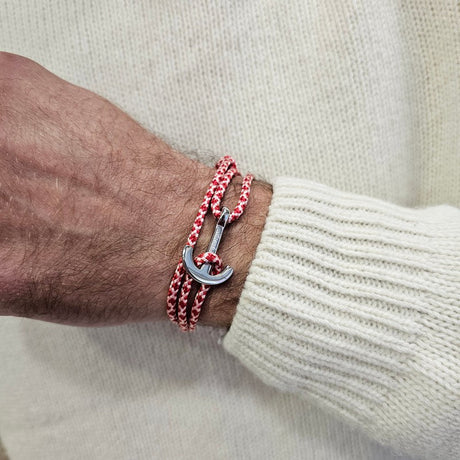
<point x="206" y="268"/>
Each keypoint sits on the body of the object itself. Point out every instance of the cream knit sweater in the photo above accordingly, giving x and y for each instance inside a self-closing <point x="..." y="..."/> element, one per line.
<point x="346" y="340"/>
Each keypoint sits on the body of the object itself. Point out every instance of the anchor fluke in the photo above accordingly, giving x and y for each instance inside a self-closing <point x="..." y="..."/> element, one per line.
<point x="202" y="274"/>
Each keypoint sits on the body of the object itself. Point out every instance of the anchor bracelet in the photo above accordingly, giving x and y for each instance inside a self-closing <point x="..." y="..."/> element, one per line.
<point x="206" y="268"/>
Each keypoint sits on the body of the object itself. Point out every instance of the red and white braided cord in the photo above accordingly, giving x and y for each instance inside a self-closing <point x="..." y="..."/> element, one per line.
<point x="181" y="282"/>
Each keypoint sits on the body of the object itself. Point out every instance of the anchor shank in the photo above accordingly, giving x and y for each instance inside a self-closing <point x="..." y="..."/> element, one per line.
<point x="218" y="231"/>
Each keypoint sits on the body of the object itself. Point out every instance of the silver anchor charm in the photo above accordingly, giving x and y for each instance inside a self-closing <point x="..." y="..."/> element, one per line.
<point x="202" y="274"/>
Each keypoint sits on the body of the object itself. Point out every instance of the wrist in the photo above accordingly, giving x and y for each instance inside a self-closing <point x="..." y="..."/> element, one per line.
<point x="185" y="182"/>
<point x="237" y="249"/>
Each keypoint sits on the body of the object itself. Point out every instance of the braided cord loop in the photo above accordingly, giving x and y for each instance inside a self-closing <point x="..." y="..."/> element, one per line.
<point x="181" y="282"/>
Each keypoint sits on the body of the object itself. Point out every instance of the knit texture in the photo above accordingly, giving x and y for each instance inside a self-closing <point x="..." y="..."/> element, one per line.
<point x="362" y="97"/>
<point x="355" y="303"/>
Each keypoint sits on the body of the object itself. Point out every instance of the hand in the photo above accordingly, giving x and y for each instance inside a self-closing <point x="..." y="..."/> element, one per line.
<point x="95" y="210"/>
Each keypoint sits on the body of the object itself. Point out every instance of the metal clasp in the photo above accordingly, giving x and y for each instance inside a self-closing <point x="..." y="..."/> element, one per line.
<point x="202" y="274"/>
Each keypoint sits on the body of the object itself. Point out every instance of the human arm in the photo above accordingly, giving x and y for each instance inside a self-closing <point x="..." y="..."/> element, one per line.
<point x="95" y="210"/>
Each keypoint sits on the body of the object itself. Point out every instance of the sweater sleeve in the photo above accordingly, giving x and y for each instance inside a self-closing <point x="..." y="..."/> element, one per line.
<point x="354" y="303"/>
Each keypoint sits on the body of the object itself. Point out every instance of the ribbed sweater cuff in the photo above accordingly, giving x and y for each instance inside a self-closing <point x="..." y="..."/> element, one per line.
<point x="338" y="292"/>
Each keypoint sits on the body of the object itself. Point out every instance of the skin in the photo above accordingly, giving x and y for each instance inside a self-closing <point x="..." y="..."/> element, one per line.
<point x="95" y="210"/>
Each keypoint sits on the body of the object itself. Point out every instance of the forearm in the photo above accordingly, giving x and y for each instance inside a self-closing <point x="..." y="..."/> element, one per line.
<point x="123" y="281"/>
<point x="95" y="210"/>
